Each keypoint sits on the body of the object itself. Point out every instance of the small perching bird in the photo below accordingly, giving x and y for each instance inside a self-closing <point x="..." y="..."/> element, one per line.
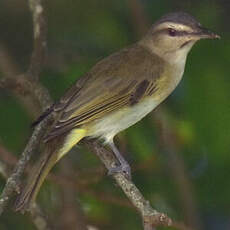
<point x="116" y="93"/>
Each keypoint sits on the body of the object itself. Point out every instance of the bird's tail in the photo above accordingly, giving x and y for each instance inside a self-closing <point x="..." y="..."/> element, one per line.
<point x="54" y="150"/>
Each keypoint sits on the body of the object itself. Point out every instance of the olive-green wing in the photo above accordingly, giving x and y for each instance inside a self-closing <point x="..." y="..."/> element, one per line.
<point x="97" y="108"/>
<point x="112" y="84"/>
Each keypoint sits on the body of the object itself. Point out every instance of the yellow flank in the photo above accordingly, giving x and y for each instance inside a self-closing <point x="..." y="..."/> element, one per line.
<point x="72" y="139"/>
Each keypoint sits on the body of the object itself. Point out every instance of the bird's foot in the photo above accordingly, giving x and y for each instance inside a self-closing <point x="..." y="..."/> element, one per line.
<point x="123" y="168"/>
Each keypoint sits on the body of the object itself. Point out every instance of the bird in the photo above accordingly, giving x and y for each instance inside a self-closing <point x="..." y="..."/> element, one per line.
<point x="115" y="94"/>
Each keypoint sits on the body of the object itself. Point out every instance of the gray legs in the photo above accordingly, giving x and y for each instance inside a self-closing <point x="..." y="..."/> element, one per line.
<point x="123" y="167"/>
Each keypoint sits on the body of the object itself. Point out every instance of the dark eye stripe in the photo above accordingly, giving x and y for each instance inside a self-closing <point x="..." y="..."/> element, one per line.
<point x="172" y="32"/>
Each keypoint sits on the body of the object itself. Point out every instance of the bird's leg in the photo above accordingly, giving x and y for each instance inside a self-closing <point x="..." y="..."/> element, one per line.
<point x="124" y="166"/>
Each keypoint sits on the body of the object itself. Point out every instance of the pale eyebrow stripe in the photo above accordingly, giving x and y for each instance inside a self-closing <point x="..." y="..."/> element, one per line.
<point x="176" y="26"/>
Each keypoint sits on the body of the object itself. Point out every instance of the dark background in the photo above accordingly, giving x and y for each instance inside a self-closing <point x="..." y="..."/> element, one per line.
<point x="179" y="155"/>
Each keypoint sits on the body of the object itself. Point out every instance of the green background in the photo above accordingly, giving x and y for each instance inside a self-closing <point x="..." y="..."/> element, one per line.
<point x="179" y="155"/>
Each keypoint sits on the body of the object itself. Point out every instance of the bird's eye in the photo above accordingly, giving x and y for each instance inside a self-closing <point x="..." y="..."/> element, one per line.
<point x="172" y="32"/>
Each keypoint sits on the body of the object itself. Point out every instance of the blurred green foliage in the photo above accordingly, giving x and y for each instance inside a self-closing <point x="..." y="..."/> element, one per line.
<point x="79" y="34"/>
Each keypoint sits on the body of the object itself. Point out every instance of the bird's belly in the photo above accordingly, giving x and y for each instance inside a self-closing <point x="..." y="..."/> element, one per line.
<point x="108" y="126"/>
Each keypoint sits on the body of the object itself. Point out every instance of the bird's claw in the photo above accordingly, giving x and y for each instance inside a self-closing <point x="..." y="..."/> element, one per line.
<point x="124" y="169"/>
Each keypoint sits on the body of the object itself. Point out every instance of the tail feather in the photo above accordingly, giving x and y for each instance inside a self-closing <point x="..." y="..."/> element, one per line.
<point x="36" y="178"/>
<point x="55" y="149"/>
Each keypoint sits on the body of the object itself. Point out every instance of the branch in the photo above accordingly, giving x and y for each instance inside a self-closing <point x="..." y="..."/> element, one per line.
<point x="69" y="183"/>
<point x="25" y="86"/>
<point x="151" y="218"/>
<point x="27" y="83"/>
<point x="30" y="84"/>
<point x="80" y="185"/>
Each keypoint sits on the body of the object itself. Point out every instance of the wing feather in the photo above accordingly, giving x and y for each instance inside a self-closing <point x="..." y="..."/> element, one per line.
<point x="117" y="81"/>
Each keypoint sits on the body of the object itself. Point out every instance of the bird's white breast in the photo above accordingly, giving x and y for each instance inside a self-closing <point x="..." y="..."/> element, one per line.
<point x="108" y="126"/>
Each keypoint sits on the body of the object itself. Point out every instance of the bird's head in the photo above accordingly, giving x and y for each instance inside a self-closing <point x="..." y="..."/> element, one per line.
<point x="173" y="35"/>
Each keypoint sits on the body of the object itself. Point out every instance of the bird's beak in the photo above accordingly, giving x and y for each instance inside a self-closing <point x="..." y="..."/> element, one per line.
<point x="204" y="33"/>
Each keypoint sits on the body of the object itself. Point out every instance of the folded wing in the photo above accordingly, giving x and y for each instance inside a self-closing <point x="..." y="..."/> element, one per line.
<point x="117" y="81"/>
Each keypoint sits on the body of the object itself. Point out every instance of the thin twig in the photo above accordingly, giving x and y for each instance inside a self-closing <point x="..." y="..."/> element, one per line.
<point x="12" y="81"/>
<point x="39" y="92"/>
<point x="28" y="82"/>
<point x="150" y="216"/>
<point x="23" y="85"/>
<point x="40" y="33"/>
